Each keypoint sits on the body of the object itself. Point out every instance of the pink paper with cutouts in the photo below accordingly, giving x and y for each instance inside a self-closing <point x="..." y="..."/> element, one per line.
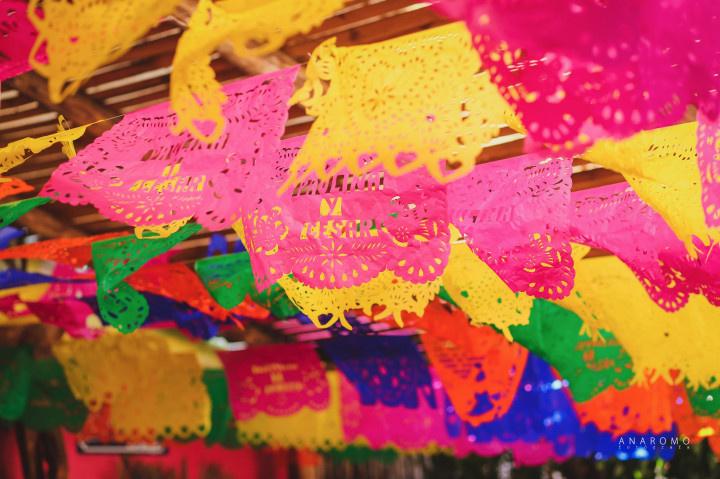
<point x="708" y="155"/>
<point x="701" y="274"/>
<point x="582" y="70"/>
<point x="514" y="216"/>
<point x="141" y="174"/>
<point x="69" y="314"/>
<point x="406" y="428"/>
<point x="524" y="454"/>
<point x="17" y="36"/>
<point x="423" y="427"/>
<point x="346" y="230"/>
<point x="615" y="219"/>
<point x="61" y="291"/>
<point x="278" y="380"/>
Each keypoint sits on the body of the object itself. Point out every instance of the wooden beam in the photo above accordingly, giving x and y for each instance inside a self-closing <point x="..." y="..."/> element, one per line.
<point x="595" y="178"/>
<point x="47" y="225"/>
<point x="259" y="65"/>
<point x="79" y="109"/>
<point x="250" y="65"/>
<point x="401" y="23"/>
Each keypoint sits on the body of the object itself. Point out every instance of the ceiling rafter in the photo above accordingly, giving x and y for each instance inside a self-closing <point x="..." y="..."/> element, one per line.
<point x="79" y="109"/>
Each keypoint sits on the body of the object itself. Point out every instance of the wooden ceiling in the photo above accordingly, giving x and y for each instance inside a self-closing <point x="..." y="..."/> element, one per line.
<point x="141" y="78"/>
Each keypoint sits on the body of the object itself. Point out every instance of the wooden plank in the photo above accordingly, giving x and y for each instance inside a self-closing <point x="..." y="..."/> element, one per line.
<point x="384" y="29"/>
<point x="34" y="130"/>
<point x="13" y="102"/>
<point x="224" y="71"/>
<point x="131" y="87"/>
<point x="150" y="49"/>
<point x="596" y="252"/>
<point x="260" y="65"/>
<point x="79" y="109"/>
<point x="30" y="108"/>
<point x="35" y="177"/>
<point x="359" y="14"/>
<point x="49" y="158"/>
<point x="141" y="66"/>
<point x="106" y="227"/>
<point x="18" y="131"/>
<point x="300" y="128"/>
<point x="48" y="225"/>
<point x="594" y="178"/>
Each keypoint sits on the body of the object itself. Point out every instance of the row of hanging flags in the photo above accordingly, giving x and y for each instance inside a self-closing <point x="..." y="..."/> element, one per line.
<point x="563" y="387"/>
<point x="483" y="398"/>
<point x="614" y="315"/>
<point x="381" y="208"/>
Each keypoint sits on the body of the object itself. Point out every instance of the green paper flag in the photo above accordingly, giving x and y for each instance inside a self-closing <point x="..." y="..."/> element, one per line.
<point x="705" y="402"/>
<point x="275" y="299"/>
<point x="9" y="212"/>
<point x="356" y="454"/>
<point x="116" y="259"/>
<point x="445" y="296"/>
<point x="222" y="423"/>
<point x="51" y="404"/>
<point x="15" y="367"/>
<point x="589" y="365"/>
<point x="226" y="277"/>
<point x="229" y="279"/>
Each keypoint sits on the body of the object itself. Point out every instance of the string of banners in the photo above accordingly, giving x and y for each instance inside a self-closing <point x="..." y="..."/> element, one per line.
<point x="283" y="396"/>
<point x="386" y="204"/>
